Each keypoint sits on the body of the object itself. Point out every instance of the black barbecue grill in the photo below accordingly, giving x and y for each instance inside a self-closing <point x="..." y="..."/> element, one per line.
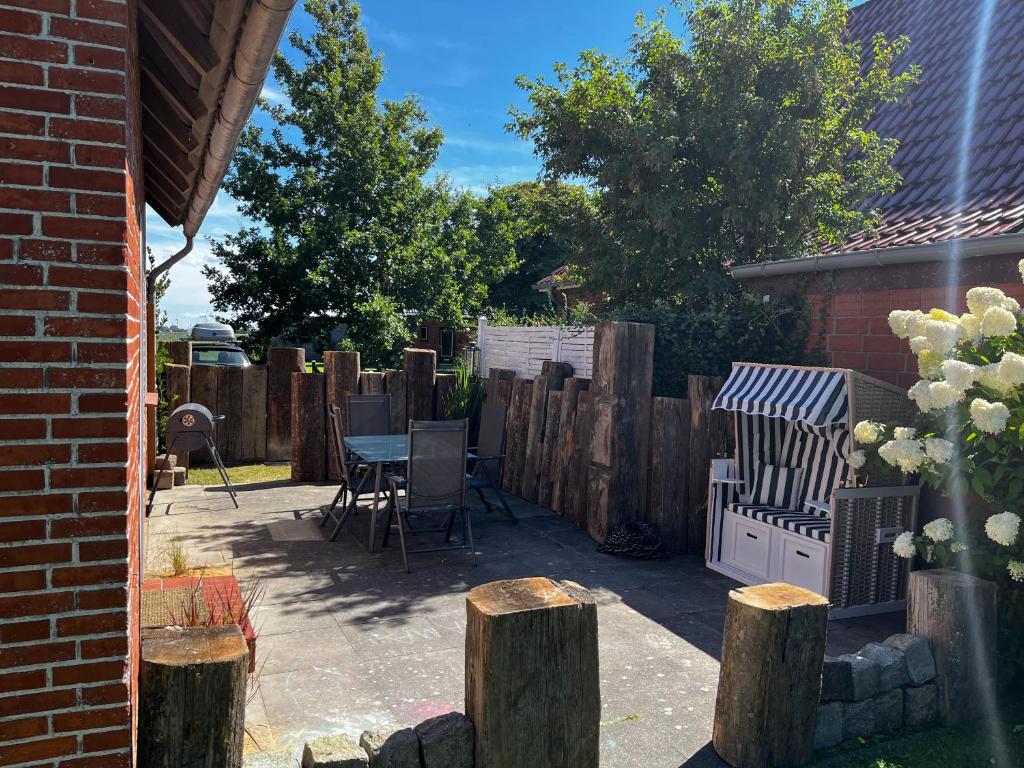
<point x="190" y="428"/>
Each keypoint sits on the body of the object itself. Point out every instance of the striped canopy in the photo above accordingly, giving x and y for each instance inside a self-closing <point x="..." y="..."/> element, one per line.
<point x="815" y="397"/>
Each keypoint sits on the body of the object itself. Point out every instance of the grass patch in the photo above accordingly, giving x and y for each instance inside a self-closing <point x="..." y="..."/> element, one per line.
<point x="963" y="747"/>
<point x="241" y="475"/>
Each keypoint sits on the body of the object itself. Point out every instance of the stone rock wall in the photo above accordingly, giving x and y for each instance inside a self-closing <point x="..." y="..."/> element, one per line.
<point x="882" y="688"/>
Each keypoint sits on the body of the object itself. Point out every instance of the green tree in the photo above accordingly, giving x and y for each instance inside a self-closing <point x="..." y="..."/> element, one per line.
<point x="744" y="141"/>
<point x="346" y="227"/>
<point x="546" y="222"/>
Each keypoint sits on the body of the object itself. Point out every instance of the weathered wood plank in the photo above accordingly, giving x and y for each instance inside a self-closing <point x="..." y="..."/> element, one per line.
<point x="562" y="456"/>
<point x="179" y="352"/>
<point x="420" y="369"/>
<point x="177" y="391"/>
<point x="341" y="372"/>
<point x="394" y="385"/>
<point x="371" y="383"/>
<point x="499" y="386"/>
<point x="444" y="387"/>
<point x="515" y="437"/>
<point x="708" y="440"/>
<point x="557" y="373"/>
<point x="577" y="487"/>
<point x="668" y="501"/>
<point x="550" y="449"/>
<point x="254" y="416"/>
<point x="282" y="362"/>
<point x="308" y="410"/>
<point x="204" y="392"/>
<point x="235" y="412"/>
<point x="544" y="633"/>
<point x="534" y="438"/>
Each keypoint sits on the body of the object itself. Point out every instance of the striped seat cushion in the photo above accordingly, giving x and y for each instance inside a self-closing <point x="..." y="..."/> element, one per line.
<point x="811" y="526"/>
<point x="776" y="486"/>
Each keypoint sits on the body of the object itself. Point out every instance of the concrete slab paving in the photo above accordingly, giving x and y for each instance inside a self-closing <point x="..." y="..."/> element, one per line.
<point x="348" y="641"/>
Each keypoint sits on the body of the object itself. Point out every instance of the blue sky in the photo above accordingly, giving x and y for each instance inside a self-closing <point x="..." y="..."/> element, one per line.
<point x="460" y="57"/>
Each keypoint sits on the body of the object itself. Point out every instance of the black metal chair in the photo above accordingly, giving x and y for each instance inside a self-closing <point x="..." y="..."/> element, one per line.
<point x="356" y="478"/>
<point x="435" y="484"/>
<point x="489" y="459"/>
<point x="369" y="415"/>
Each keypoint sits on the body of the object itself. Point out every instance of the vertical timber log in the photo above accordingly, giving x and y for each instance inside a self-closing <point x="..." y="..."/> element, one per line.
<point x="192" y="697"/>
<point x="235" y="413"/>
<point x="620" y="442"/>
<point x="566" y="430"/>
<point x="515" y="434"/>
<point x="254" y="418"/>
<point x="556" y="372"/>
<point x="499" y="386"/>
<point x="957" y="613"/>
<point x="708" y="440"/>
<point x="308" y="413"/>
<point x="371" y="383"/>
<point x="551" y="446"/>
<point x="282" y="362"/>
<point x="577" y="486"/>
<point x="341" y="372"/>
<point x="224" y="400"/>
<point x="534" y="438"/>
<point x="670" y="441"/>
<point x="179" y="352"/>
<point x="204" y="392"/>
<point x="444" y="389"/>
<point x="177" y="390"/>
<point x="420" y="369"/>
<point x="773" y="649"/>
<point x="394" y="385"/>
<point x="532" y="683"/>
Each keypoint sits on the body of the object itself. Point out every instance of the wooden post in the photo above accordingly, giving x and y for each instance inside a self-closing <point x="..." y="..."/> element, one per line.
<point x="371" y="383"/>
<point x="577" y="487"/>
<point x="534" y="438"/>
<point x="708" y="440"/>
<point x="444" y="386"/>
<point x="551" y="446"/>
<point x="282" y="362"/>
<point x="179" y="352"/>
<point x="394" y="385"/>
<point x="254" y="415"/>
<point x="670" y="441"/>
<point x="341" y="371"/>
<point x="499" y="386"/>
<point x="773" y="649"/>
<point x="556" y="372"/>
<point x="308" y="428"/>
<point x="177" y="389"/>
<point x="235" y="412"/>
<point x="192" y="697"/>
<point x="204" y="392"/>
<point x="620" y="441"/>
<point x="957" y="613"/>
<point x="515" y="434"/>
<point x="420" y="368"/>
<point x="566" y="434"/>
<point x="532" y="684"/>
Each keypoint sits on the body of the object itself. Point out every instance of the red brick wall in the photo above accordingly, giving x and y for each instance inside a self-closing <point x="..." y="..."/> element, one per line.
<point x="70" y="294"/>
<point x="853" y="329"/>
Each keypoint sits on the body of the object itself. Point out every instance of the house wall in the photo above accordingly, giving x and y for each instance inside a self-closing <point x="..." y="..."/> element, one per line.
<point x="850" y="308"/>
<point x="70" y="399"/>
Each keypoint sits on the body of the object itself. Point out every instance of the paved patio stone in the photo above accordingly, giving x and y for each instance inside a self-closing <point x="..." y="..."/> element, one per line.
<point x="352" y="643"/>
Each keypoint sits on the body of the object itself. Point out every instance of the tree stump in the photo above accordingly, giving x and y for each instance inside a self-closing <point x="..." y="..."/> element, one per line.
<point x="282" y="362"/>
<point x="532" y="684"/>
<point x="420" y="368"/>
<point x="308" y="428"/>
<point x="192" y="697"/>
<point x="957" y="613"/>
<point x="341" y="371"/>
<point x="773" y="650"/>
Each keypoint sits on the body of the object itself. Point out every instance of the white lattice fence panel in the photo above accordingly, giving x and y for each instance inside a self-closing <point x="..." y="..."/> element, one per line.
<point x="524" y="349"/>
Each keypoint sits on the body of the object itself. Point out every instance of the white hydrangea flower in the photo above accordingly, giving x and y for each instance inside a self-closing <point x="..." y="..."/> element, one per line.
<point x="915" y="323"/>
<point x="960" y="375"/>
<point x="941" y="395"/>
<point x="857" y="459"/>
<point x="920" y="344"/>
<point x="939" y="530"/>
<point x="944" y="335"/>
<point x="920" y="393"/>
<point x="1020" y="268"/>
<point x="938" y="450"/>
<point x="866" y="432"/>
<point x="898" y="322"/>
<point x="1011" y="369"/>
<point x="989" y="417"/>
<point x="1016" y="569"/>
<point x="1003" y="528"/>
<point x="998" y="322"/>
<point x="904" y="545"/>
<point x="904" y="433"/>
<point x="956" y="547"/>
<point x="970" y="327"/>
<point x="1011" y="304"/>
<point x="908" y="455"/>
<point x="980" y="299"/>
<point x="991" y="376"/>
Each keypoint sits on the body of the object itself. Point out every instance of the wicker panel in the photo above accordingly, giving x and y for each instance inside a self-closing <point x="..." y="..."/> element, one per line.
<point x="876" y="400"/>
<point x="865" y="572"/>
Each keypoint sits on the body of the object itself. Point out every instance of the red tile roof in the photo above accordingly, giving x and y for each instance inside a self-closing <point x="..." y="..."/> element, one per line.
<point x="929" y="125"/>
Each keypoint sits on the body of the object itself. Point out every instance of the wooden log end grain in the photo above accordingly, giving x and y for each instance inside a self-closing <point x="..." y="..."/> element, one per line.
<point x="773" y="648"/>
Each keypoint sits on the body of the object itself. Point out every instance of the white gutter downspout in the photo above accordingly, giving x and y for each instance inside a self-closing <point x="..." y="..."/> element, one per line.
<point x="997" y="245"/>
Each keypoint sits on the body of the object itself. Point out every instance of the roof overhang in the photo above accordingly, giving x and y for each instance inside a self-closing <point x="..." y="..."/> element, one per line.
<point x="202" y="64"/>
<point x="997" y="245"/>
